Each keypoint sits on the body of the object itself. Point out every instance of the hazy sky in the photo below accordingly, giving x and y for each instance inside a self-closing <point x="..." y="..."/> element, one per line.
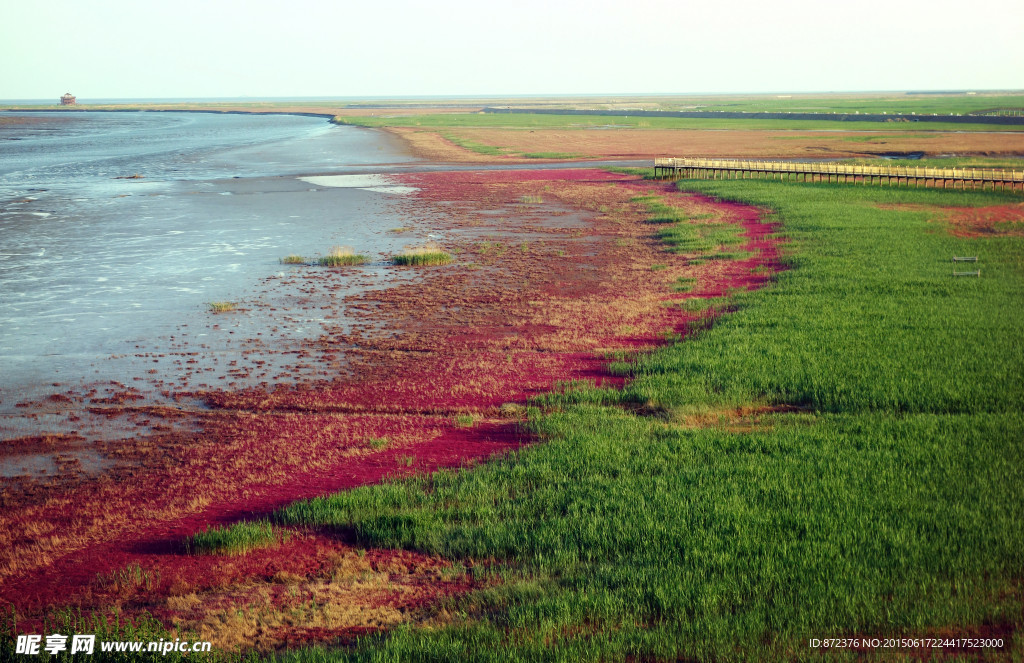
<point x="214" y="48"/>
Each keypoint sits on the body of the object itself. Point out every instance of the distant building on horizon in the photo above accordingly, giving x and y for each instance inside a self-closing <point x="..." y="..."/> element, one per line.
<point x="68" y="99"/>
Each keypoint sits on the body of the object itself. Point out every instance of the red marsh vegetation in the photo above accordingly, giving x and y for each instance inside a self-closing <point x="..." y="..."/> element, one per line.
<point x="553" y="270"/>
<point x="633" y="143"/>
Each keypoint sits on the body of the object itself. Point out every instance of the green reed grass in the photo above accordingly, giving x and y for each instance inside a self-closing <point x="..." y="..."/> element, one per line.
<point x="222" y="307"/>
<point x="684" y="284"/>
<point x="342" y="256"/>
<point x="695" y="237"/>
<point x="342" y="261"/>
<point x="128" y="579"/>
<point x="696" y="304"/>
<point x="428" y="254"/>
<point x="293" y="260"/>
<point x="236" y="539"/>
<point x="552" y="155"/>
<point x="473" y="146"/>
<point x="659" y="212"/>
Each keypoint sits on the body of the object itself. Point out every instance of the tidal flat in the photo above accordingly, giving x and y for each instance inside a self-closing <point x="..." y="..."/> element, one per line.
<point x="119" y="228"/>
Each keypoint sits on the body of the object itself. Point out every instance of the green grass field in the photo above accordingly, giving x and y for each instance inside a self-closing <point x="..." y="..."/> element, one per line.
<point x="942" y="104"/>
<point x="887" y="501"/>
<point x="951" y="103"/>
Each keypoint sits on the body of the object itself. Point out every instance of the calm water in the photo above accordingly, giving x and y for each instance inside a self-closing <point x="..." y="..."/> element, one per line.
<point x="94" y="267"/>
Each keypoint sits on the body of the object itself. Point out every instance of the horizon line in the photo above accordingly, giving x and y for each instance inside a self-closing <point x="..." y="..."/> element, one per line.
<point x="187" y="99"/>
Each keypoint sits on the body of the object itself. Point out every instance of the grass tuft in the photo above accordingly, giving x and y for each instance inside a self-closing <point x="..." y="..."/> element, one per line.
<point x="465" y="420"/>
<point x="222" y="307"/>
<point x="697" y="304"/>
<point x="236" y="539"/>
<point x="128" y="579"/>
<point x="512" y="410"/>
<point x="342" y="256"/>
<point x="684" y="284"/>
<point x="430" y="253"/>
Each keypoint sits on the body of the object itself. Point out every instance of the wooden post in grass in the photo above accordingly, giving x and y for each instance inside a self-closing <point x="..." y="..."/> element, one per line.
<point x="976" y="273"/>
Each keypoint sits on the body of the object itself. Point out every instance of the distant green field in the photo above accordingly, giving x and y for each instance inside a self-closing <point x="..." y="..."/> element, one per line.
<point x="377" y="110"/>
<point x="946" y="162"/>
<point x="545" y="121"/>
<point x="941" y="104"/>
<point x="890" y="503"/>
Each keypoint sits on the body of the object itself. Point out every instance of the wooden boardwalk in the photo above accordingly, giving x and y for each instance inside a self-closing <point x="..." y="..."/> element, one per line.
<point x="735" y="169"/>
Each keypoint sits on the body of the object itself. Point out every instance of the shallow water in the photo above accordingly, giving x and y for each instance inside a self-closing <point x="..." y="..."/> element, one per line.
<point x="97" y="272"/>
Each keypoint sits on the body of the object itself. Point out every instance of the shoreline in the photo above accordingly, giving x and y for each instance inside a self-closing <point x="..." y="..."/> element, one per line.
<point x="164" y="110"/>
<point x="160" y="312"/>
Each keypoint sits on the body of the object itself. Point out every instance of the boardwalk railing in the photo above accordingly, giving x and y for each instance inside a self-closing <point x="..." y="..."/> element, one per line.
<point x="963" y="178"/>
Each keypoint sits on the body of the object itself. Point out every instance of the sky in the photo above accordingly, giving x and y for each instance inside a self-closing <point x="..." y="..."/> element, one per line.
<point x="298" y="48"/>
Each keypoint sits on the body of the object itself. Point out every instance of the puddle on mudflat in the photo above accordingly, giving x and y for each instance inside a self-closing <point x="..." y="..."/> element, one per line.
<point x="366" y="182"/>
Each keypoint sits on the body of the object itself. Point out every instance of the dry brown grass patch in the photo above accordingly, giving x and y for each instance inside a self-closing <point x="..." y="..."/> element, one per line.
<point x="738" y="419"/>
<point x="353" y="591"/>
<point x="650" y="143"/>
